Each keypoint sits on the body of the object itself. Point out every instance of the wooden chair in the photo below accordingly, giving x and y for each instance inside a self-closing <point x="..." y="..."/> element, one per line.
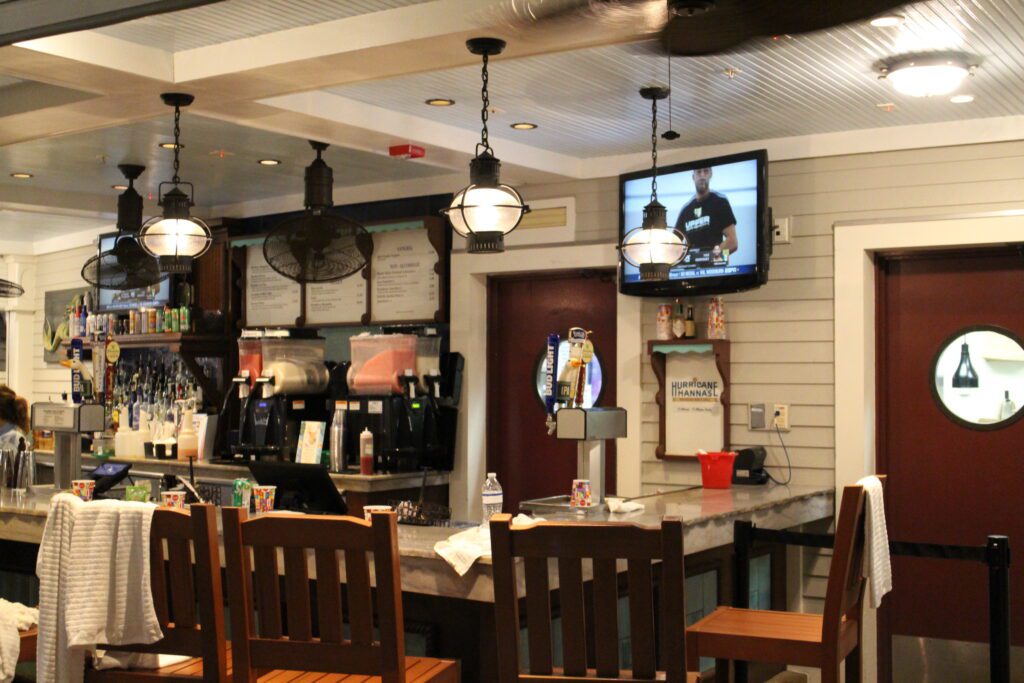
<point x="604" y="544"/>
<point x="202" y="639"/>
<point x="822" y="641"/>
<point x="285" y="655"/>
<point x="29" y="638"/>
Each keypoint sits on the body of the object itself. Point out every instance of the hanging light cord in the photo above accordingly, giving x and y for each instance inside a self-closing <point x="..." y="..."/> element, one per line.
<point x="670" y="92"/>
<point x="654" y="150"/>
<point x="177" y="146"/>
<point x="484" y="144"/>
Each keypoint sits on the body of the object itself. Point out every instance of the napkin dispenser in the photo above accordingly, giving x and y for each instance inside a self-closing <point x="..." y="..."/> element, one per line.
<point x="748" y="467"/>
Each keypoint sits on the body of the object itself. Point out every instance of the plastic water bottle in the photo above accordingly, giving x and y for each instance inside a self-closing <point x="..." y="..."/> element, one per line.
<point x="492" y="498"/>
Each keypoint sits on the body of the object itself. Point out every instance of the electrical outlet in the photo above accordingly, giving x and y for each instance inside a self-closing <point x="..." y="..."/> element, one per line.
<point x="781" y="231"/>
<point x="781" y="416"/>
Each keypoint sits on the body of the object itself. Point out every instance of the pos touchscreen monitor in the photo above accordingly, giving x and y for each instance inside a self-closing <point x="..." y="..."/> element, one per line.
<point x="720" y="206"/>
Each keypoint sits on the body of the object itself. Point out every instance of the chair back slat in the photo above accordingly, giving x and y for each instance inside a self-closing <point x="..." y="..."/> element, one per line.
<point x="183" y="594"/>
<point x="296" y="584"/>
<point x="603" y="544"/>
<point x="267" y="584"/>
<point x="329" y="652"/>
<point x="177" y="538"/>
<point x="641" y="618"/>
<point x="328" y="596"/>
<point x="360" y="598"/>
<point x="574" y="627"/>
<point x="845" y="588"/>
<point x="606" y="618"/>
<point x="538" y="615"/>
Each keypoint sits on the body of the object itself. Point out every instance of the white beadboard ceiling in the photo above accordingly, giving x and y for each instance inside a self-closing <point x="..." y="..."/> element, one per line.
<point x="234" y="19"/>
<point x="87" y="162"/>
<point x="586" y="102"/>
<point x="8" y="80"/>
<point x="26" y="226"/>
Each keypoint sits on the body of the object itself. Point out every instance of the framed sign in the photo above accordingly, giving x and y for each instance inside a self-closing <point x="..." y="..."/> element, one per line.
<point x="341" y="302"/>
<point x="407" y="273"/>
<point x="271" y="299"/>
<point x="693" y="396"/>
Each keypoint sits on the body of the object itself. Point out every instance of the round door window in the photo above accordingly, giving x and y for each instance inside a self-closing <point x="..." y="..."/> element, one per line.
<point x="594" y="380"/>
<point x="978" y="377"/>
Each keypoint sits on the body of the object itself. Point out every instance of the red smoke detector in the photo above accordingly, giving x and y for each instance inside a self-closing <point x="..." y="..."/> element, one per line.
<point x="406" y="151"/>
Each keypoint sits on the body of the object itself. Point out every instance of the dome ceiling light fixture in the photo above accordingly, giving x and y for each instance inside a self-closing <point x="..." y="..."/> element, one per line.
<point x="485" y="210"/>
<point x="176" y="238"/>
<point x="653" y="248"/>
<point x="928" y="74"/>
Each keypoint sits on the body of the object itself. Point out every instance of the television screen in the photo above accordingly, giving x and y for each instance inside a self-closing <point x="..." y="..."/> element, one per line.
<point x="720" y="207"/>
<point x="111" y="300"/>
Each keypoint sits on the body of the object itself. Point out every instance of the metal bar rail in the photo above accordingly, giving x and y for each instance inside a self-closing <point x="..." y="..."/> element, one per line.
<point x="995" y="554"/>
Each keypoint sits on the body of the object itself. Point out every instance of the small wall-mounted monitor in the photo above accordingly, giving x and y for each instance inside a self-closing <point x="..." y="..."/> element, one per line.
<point x="721" y="207"/>
<point x="111" y="301"/>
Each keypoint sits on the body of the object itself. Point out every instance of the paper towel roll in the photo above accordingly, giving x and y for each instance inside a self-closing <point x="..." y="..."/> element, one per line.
<point x="296" y="377"/>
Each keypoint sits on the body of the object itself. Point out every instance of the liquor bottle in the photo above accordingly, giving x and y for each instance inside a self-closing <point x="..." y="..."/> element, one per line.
<point x="690" y="325"/>
<point x="678" y="323"/>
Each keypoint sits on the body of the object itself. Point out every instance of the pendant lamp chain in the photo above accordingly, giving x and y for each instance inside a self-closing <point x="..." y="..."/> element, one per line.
<point x="485" y="112"/>
<point x="177" y="146"/>
<point x="654" y="150"/>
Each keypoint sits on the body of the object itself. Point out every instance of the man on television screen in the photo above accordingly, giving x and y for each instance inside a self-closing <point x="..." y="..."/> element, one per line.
<point x="708" y="222"/>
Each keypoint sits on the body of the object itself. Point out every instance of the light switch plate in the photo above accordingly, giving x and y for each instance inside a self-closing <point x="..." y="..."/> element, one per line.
<point x="781" y="231"/>
<point x="758" y="419"/>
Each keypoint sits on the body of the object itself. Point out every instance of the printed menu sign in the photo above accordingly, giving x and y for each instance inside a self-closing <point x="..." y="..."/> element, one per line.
<point x="340" y="301"/>
<point x="403" y="283"/>
<point x="693" y="404"/>
<point x="270" y="298"/>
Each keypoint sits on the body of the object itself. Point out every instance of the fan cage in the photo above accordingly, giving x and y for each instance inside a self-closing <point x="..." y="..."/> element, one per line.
<point x="318" y="247"/>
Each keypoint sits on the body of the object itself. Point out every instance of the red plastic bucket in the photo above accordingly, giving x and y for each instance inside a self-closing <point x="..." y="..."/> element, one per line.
<point x="716" y="469"/>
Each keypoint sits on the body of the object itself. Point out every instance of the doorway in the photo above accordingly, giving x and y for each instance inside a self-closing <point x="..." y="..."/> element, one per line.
<point x="949" y="327"/>
<point x="522" y="310"/>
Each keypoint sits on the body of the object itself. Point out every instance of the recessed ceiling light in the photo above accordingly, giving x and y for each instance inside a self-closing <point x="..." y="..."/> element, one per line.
<point x="119" y="188"/>
<point x="440" y="102"/>
<point x="21" y="176"/>
<point x="269" y="162"/>
<point x="888" y="20"/>
<point x="732" y="73"/>
<point x="170" y="145"/>
<point x="523" y="125"/>
<point x="961" y="99"/>
<point x="886" y="106"/>
<point x="927" y="75"/>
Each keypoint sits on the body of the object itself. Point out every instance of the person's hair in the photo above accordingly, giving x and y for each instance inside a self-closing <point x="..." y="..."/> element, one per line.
<point x="14" y="409"/>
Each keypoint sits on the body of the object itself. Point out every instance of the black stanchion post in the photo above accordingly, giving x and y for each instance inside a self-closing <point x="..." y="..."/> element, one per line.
<point x="743" y="540"/>
<point x="998" y="558"/>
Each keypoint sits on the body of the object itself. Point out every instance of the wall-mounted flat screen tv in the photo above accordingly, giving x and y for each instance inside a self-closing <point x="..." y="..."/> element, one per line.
<point x="720" y="205"/>
<point x="112" y="301"/>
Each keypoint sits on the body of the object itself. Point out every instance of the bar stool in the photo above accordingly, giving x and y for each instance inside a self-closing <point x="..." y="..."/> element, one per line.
<point x="202" y="639"/>
<point x="605" y="544"/>
<point x="822" y="641"/>
<point x="288" y="651"/>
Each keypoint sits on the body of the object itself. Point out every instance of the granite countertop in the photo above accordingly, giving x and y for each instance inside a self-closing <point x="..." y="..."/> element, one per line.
<point x="228" y="471"/>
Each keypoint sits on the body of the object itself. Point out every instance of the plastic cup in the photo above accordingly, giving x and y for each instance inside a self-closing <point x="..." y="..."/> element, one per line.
<point x="581" y="494"/>
<point x="241" y="493"/>
<point x="83" y="488"/>
<point x="173" y="499"/>
<point x="137" y="492"/>
<point x="264" y="496"/>
<point x="368" y="510"/>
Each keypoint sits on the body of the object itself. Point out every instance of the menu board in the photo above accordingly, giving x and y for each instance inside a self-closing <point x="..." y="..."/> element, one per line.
<point x="337" y="302"/>
<point x="693" y="410"/>
<point x="404" y="285"/>
<point x="271" y="299"/>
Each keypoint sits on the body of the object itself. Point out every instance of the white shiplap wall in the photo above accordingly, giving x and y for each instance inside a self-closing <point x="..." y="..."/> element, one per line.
<point x="54" y="271"/>
<point x="782" y="333"/>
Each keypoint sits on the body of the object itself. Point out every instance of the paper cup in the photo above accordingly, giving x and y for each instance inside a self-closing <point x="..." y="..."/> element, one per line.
<point x="83" y="488"/>
<point x="368" y="510"/>
<point x="264" y="496"/>
<point x="137" y="492"/>
<point x="581" y="494"/>
<point x="241" y="493"/>
<point x="173" y="499"/>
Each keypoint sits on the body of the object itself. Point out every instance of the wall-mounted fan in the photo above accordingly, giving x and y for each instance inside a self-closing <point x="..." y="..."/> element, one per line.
<point x="10" y="290"/>
<point x="695" y="27"/>
<point x="125" y="265"/>
<point x="318" y="246"/>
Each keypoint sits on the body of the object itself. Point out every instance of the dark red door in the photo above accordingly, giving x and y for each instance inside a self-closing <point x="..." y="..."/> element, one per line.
<point x="522" y="311"/>
<point x="948" y="483"/>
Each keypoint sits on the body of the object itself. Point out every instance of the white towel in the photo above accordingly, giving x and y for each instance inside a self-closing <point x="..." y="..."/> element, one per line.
<point x="463" y="549"/>
<point x="14" y="617"/>
<point x="877" y="568"/>
<point x="109" y="595"/>
<point x="54" y="568"/>
<point x="623" y="507"/>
